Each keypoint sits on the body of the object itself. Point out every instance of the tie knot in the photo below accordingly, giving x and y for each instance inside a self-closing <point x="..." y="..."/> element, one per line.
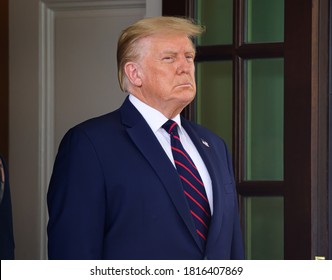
<point x="171" y="127"/>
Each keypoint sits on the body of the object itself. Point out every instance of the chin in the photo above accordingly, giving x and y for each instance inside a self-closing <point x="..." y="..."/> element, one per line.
<point x="186" y="100"/>
<point x="188" y="95"/>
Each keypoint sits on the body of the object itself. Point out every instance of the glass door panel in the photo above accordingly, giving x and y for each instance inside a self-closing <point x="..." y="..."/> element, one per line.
<point x="214" y="97"/>
<point x="264" y="115"/>
<point x="217" y="17"/>
<point x="264" y="21"/>
<point x="264" y="228"/>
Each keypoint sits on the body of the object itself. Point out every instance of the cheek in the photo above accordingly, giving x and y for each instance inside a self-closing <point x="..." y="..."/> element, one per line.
<point x="193" y="71"/>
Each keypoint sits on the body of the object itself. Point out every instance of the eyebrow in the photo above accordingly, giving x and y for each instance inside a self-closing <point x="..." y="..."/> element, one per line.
<point x="175" y="53"/>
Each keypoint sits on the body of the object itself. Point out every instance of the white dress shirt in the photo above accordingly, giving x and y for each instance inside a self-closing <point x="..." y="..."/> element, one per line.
<point x="155" y="120"/>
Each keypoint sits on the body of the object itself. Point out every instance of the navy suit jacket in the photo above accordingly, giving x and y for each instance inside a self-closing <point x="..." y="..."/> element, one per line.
<point x="114" y="194"/>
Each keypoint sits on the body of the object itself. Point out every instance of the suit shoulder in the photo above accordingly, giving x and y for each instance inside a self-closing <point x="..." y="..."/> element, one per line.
<point x="99" y="124"/>
<point x="97" y="128"/>
<point x="109" y="119"/>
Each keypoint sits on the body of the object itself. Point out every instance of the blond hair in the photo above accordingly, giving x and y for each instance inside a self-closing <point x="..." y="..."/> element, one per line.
<point x="127" y="44"/>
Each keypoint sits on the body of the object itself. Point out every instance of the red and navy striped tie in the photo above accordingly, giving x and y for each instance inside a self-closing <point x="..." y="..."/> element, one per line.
<point x="192" y="183"/>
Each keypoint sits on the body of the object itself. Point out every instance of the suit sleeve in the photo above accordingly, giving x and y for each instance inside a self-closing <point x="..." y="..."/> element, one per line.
<point x="237" y="252"/>
<point x="76" y="200"/>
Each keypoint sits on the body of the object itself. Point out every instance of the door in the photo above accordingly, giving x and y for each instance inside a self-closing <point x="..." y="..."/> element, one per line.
<point x="62" y="72"/>
<point x="262" y="86"/>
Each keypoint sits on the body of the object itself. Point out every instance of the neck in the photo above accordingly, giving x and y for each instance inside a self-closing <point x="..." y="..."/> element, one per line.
<point x="168" y="109"/>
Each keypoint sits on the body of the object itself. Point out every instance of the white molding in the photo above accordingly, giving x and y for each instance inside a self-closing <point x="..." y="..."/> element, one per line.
<point x="49" y="10"/>
<point x="46" y="115"/>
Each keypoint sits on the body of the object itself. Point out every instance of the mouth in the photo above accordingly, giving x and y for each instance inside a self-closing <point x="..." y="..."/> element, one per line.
<point x="184" y="85"/>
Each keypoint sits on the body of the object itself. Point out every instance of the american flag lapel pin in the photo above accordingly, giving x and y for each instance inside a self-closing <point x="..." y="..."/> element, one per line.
<point x="205" y="143"/>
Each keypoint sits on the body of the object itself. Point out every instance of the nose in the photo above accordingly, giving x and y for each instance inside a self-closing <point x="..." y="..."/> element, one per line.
<point x="184" y="65"/>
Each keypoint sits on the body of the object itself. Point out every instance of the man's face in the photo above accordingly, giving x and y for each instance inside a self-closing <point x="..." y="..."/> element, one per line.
<point x="167" y="72"/>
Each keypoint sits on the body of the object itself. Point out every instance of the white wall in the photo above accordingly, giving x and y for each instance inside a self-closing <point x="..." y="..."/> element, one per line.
<point x="153" y="8"/>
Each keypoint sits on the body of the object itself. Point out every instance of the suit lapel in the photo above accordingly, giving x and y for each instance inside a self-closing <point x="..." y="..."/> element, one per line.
<point x="145" y="140"/>
<point x="207" y="152"/>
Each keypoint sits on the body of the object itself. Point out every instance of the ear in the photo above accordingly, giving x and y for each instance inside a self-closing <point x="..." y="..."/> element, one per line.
<point x="133" y="73"/>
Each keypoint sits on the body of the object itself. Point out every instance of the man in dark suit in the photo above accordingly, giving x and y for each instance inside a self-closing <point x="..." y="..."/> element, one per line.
<point x="6" y="220"/>
<point x="118" y="189"/>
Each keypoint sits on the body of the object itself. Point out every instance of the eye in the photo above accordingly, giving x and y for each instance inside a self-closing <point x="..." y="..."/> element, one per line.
<point x="168" y="58"/>
<point x="190" y="57"/>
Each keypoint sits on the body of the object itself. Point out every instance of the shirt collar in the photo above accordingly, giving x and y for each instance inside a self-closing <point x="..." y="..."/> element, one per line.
<point x="153" y="117"/>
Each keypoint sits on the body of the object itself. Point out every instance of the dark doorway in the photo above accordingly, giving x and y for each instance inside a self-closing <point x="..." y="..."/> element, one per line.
<point x="4" y="79"/>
